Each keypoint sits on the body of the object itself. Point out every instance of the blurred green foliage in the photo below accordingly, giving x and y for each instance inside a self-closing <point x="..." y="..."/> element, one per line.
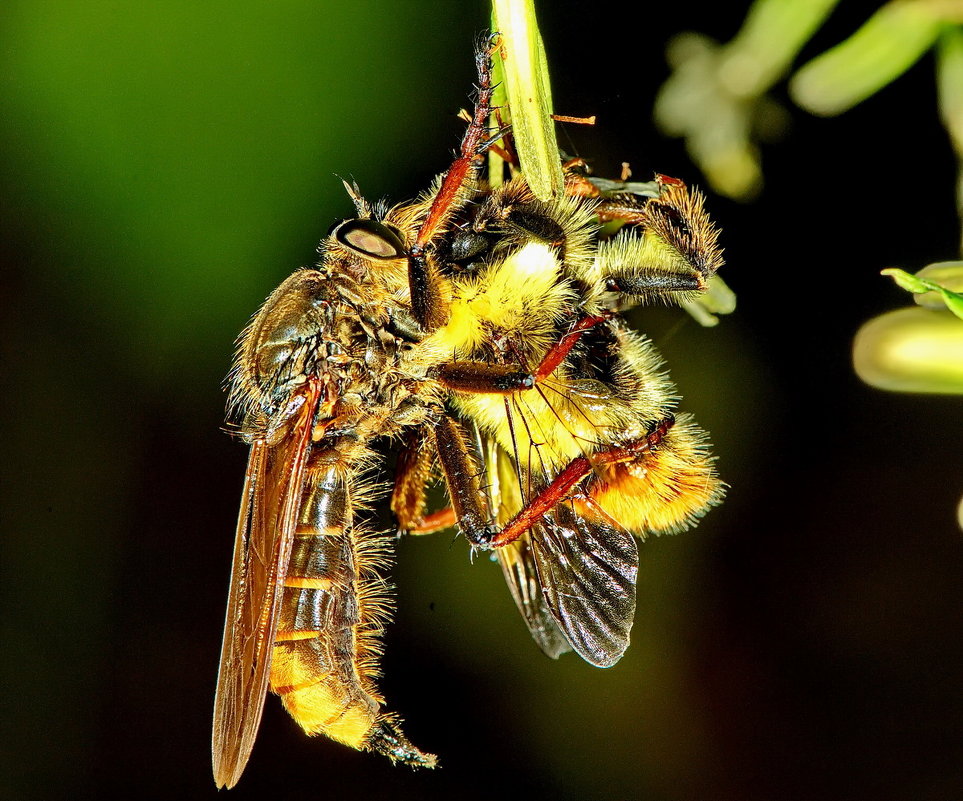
<point x="163" y="166"/>
<point x="119" y="120"/>
<point x="717" y="97"/>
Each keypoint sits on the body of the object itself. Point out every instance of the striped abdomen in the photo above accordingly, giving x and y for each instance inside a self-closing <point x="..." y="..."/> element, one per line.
<point x="327" y="643"/>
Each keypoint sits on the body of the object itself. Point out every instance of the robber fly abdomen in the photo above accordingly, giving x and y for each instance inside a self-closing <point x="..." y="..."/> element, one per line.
<point x="317" y="637"/>
<point x="331" y="616"/>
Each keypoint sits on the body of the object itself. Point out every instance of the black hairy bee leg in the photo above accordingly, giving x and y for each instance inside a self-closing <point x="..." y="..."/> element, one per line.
<point x="468" y="498"/>
<point x="569" y="478"/>
<point x="428" y="304"/>
<point x="645" y="284"/>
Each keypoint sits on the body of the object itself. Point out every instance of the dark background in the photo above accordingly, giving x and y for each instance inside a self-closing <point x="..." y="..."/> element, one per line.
<point x="164" y="167"/>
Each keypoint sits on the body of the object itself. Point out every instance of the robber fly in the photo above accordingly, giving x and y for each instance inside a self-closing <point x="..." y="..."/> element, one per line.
<point x="480" y="328"/>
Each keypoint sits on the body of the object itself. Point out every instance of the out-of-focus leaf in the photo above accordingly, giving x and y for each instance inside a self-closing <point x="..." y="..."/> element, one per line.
<point x="715" y="96"/>
<point x="718" y="299"/>
<point x="773" y="33"/>
<point x="949" y="83"/>
<point x="529" y="95"/>
<point x="888" y="44"/>
<point x="911" y="350"/>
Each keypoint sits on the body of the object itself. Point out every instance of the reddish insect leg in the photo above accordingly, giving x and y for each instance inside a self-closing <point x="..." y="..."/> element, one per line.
<point x="427" y="302"/>
<point x="563" y="484"/>
<point x="412" y="474"/>
<point x="469" y="502"/>
<point x="436" y="521"/>
<point x="557" y="353"/>
<point x="504" y="379"/>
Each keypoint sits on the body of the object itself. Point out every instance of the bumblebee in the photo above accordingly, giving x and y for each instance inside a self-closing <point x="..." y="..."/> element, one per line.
<point x="480" y="328"/>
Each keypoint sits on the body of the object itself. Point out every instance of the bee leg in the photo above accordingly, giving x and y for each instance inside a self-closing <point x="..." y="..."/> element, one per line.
<point x="468" y="498"/>
<point x="678" y="251"/>
<point x="650" y="284"/>
<point x="574" y="472"/>
<point x="428" y="304"/>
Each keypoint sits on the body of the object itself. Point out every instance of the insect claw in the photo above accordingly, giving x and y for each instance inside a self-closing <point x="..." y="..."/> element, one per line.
<point x="386" y="738"/>
<point x="481" y="537"/>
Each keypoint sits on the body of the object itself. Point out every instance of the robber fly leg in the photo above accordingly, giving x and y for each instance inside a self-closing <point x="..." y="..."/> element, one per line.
<point x="469" y="499"/>
<point x="483" y="378"/>
<point x="435" y="521"/>
<point x="503" y="379"/>
<point x="557" y="353"/>
<point x="570" y="476"/>
<point x="460" y="467"/>
<point x="428" y="304"/>
<point x="412" y="473"/>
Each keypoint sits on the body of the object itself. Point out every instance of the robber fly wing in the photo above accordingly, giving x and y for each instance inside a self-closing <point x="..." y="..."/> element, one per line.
<point x="269" y="510"/>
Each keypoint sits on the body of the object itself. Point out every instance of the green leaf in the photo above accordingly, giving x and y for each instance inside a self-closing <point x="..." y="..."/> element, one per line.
<point x="918" y="286"/>
<point x="905" y="280"/>
<point x="953" y="301"/>
<point x="529" y="95"/>
<point x="887" y="45"/>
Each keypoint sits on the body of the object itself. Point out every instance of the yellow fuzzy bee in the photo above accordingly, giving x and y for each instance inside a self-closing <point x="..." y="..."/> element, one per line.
<point x="480" y="327"/>
<point x="592" y="451"/>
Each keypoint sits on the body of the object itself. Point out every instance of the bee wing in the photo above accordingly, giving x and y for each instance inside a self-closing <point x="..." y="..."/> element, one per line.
<point x="518" y="565"/>
<point x="587" y="572"/>
<point x="262" y="550"/>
